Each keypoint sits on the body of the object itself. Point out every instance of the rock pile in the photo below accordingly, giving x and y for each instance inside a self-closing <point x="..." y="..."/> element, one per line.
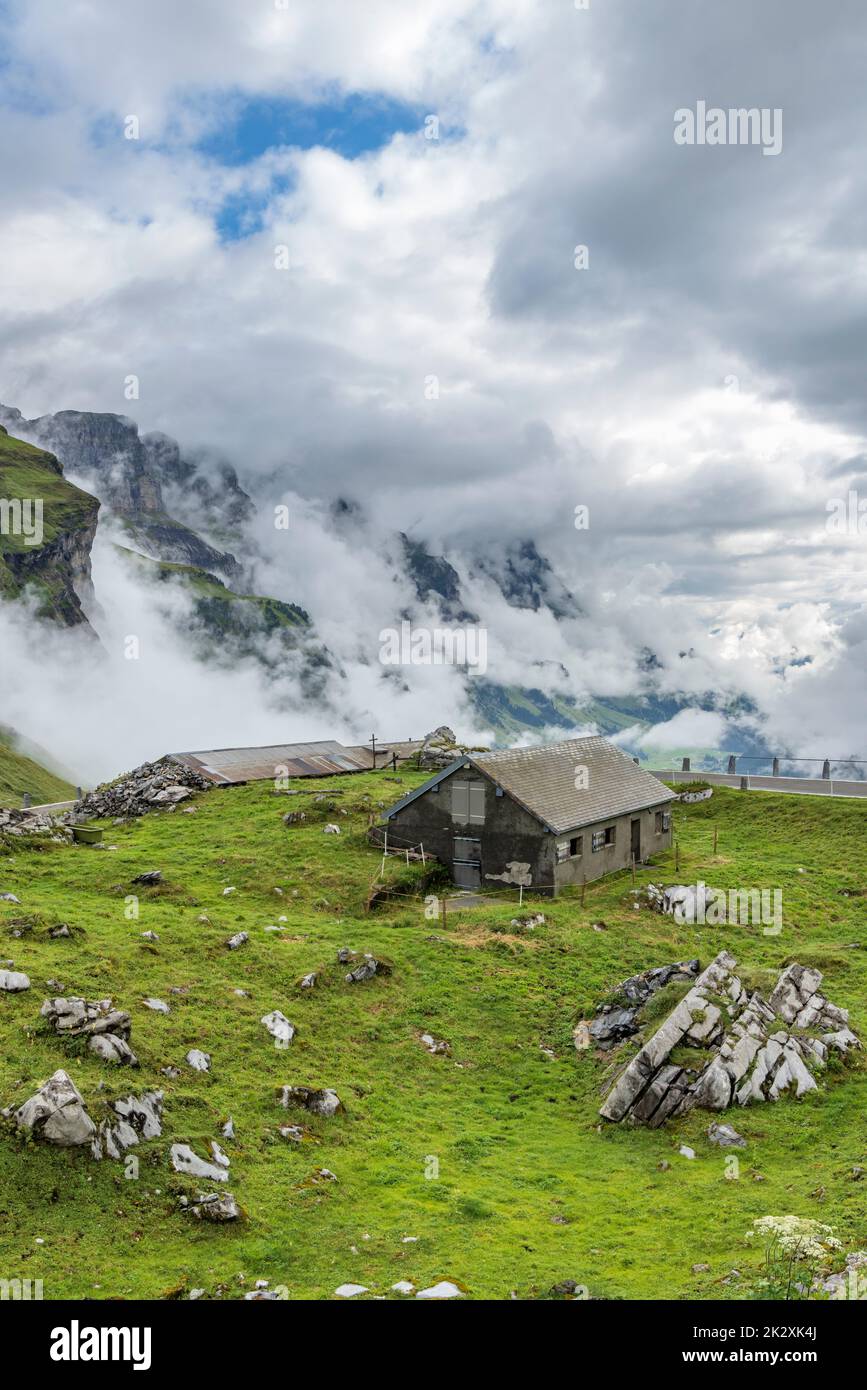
<point x="106" y="1028"/>
<point x="761" y="1048"/>
<point x="616" y="1021"/>
<point x="149" y="787"/>
<point x="30" y="822"/>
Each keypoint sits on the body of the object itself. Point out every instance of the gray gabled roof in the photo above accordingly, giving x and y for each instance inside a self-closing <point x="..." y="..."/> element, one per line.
<point x="543" y="781"/>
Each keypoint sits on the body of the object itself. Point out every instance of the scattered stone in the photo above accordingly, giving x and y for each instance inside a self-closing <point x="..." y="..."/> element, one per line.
<point x="294" y="1133"/>
<point x="13" y="982"/>
<point x="528" y="923"/>
<point x="726" y="1137"/>
<point x="212" y="1206"/>
<point x="344" y="955"/>
<point x="331" y="830"/>
<point x="444" y="1289"/>
<point x="110" y="1048"/>
<point x="326" y="1175"/>
<point x="664" y="1166"/>
<point x="279" y="1027"/>
<point x="56" y="1114"/>
<point x="369" y="967"/>
<point x="848" y="1283"/>
<point x="9" y="898"/>
<point x="228" y="1129"/>
<point x="171" y="1072"/>
<point x="61" y="930"/>
<point x="184" y="1160"/>
<point x="350" y="1290"/>
<point x="237" y="940"/>
<point x="567" y="1288"/>
<point x="437" y="1047"/>
<point x="403" y="1286"/>
<point x="701" y="1269"/>
<point x="133" y="1118"/>
<point x="219" y="1156"/>
<point x="150" y="879"/>
<point x="323" y="1102"/>
<point x="228" y="891"/>
<point x="150" y="936"/>
<point x="309" y="980"/>
<point x="581" y="1035"/>
<point x="199" y="1061"/>
<point x="158" y="1006"/>
<point x="686" y="1151"/>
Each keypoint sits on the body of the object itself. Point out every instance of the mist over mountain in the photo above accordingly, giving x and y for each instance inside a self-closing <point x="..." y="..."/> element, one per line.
<point x="177" y="616"/>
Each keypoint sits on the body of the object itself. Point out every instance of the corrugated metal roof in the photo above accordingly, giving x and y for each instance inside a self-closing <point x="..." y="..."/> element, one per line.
<point x="543" y="780"/>
<point x="229" y="765"/>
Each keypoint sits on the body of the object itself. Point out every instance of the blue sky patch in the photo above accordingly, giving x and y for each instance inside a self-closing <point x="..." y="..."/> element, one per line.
<point x="351" y="126"/>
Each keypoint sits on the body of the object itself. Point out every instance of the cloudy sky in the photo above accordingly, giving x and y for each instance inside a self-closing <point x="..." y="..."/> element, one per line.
<point x="285" y="259"/>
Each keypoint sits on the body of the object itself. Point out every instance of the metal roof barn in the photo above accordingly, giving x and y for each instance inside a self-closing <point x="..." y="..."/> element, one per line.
<point x="324" y="758"/>
<point x="226" y="766"/>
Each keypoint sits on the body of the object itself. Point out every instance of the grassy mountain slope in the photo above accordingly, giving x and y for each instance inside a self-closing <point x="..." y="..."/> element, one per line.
<point x="493" y="1158"/>
<point x="20" y="774"/>
<point x="62" y="559"/>
<point x="221" y="608"/>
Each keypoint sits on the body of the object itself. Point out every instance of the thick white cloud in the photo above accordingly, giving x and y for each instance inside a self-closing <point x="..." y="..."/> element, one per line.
<point x="697" y="387"/>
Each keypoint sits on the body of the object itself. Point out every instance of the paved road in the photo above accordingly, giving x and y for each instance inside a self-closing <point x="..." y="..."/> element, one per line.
<point x="794" y="786"/>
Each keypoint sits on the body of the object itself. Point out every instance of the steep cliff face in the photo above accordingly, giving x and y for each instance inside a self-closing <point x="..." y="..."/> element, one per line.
<point x="47" y="528"/>
<point x="128" y="472"/>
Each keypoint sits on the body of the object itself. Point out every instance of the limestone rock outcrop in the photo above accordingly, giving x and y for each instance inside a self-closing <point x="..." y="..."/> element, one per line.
<point x="760" y="1049"/>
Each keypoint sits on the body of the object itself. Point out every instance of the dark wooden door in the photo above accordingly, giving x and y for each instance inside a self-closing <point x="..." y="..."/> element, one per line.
<point x="636" y="841"/>
<point x="467" y="862"/>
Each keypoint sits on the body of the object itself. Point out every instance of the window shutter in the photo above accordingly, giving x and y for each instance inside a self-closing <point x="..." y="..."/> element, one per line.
<point x="477" y="802"/>
<point x="460" y="801"/>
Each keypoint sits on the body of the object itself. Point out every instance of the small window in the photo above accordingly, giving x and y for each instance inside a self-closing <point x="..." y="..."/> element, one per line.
<point x="663" y="822"/>
<point x="570" y="849"/>
<point x="604" y="839"/>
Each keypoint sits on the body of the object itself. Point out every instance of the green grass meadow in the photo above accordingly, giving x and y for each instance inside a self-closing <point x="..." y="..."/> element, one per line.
<point x="493" y="1158"/>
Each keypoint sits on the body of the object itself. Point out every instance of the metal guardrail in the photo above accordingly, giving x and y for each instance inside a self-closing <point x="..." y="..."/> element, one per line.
<point x="799" y="786"/>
